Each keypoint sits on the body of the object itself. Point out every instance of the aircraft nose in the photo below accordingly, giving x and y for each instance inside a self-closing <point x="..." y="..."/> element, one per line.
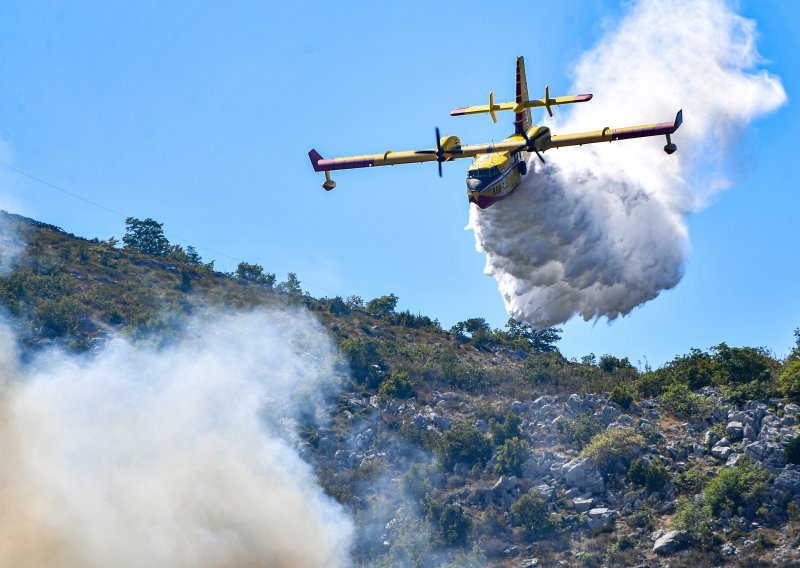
<point x="474" y="184"/>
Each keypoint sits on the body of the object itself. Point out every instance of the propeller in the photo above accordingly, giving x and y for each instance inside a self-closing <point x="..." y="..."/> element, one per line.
<point x="439" y="152"/>
<point x="530" y="146"/>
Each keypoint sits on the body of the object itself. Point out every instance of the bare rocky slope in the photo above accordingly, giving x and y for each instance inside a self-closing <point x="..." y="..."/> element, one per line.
<point x="473" y="446"/>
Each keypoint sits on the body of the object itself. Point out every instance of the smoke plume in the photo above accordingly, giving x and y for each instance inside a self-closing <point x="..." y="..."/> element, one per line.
<point x="601" y="229"/>
<point x="179" y="456"/>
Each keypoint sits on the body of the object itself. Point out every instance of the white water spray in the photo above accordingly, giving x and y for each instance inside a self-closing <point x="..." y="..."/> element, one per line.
<point x="602" y="229"/>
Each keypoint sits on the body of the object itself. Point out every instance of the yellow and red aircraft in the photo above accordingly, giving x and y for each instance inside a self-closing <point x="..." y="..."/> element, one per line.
<point x="499" y="168"/>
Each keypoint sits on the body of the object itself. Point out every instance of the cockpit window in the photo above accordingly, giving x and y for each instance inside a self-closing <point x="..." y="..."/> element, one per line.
<point x="484" y="173"/>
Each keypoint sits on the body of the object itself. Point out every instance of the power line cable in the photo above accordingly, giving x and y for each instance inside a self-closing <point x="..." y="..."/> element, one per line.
<point x="123" y="216"/>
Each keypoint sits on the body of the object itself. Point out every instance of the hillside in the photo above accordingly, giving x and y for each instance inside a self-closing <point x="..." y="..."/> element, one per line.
<point x="472" y="446"/>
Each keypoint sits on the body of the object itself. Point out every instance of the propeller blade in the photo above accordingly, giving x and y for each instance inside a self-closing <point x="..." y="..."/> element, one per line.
<point x="538" y="155"/>
<point x="440" y="168"/>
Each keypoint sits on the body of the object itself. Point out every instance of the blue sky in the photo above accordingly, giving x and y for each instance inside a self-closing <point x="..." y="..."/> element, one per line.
<point x="201" y="117"/>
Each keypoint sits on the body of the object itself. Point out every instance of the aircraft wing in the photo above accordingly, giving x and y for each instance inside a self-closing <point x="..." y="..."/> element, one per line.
<point x="611" y="134"/>
<point x="390" y="158"/>
<point x="546" y="102"/>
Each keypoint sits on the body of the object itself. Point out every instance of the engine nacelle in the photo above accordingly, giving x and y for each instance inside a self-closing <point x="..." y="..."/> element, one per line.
<point x="450" y="142"/>
<point x="539" y="136"/>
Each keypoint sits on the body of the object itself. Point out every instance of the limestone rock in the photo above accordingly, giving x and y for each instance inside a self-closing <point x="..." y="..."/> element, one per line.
<point x="670" y="542"/>
<point x="582" y="473"/>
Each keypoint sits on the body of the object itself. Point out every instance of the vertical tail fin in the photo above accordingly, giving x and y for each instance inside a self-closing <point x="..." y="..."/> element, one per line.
<point x="522" y="120"/>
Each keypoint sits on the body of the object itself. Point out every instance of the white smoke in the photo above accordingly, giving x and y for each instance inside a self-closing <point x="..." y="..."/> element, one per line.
<point x="138" y="456"/>
<point x="602" y="229"/>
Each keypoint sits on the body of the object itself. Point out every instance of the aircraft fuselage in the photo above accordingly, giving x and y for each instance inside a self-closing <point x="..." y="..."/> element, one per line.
<point x="493" y="177"/>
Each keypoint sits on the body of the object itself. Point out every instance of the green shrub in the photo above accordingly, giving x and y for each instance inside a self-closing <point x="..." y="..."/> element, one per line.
<point x="382" y="306"/>
<point x="338" y="307"/>
<point x="453" y="525"/>
<point x="742" y="486"/>
<point x="685" y="404"/>
<point x="695" y="370"/>
<point x="650" y="474"/>
<point x="511" y="455"/>
<point x="789" y="381"/>
<point x="530" y="512"/>
<point x="58" y="317"/>
<point x="502" y="431"/>
<point x="618" y="444"/>
<point x="463" y="443"/>
<point x="744" y="373"/>
<point x="577" y="433"/>
<point x="463" y="375"/>
<point x="651" y="383"/>
<point x="365" y="360"/>
<point x="416" y="485"/>
<point x="543" y="369"/>
<point x="414" y="321"/>
<point x="621" y="396"/>
<point x="792" y="451"/>
<point x="697" y="520"/>
<point x="690" y="481"/>
<point x="395" y="385"/>
<point x="609" y="363"/>
<point x="476" y="332"/>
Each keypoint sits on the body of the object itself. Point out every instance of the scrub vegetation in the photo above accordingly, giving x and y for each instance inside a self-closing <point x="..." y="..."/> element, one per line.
<point x="470" y="445"/>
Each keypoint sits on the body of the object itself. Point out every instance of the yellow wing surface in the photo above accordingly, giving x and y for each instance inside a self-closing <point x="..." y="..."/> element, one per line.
<point x="611" y="134"/>
<point x="520" y="106"/>
<point x="450" y="148"/>
<point x="537" y="139"/>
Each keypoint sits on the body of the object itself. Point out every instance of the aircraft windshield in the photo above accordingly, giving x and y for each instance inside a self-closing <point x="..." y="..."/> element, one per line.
<point x="483" y="173"/>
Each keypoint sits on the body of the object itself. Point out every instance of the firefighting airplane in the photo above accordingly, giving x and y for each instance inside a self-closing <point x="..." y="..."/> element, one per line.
<point x="499" y="168"/>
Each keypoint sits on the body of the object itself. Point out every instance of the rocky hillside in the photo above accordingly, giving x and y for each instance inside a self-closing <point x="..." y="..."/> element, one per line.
<point x="472" y="446"/>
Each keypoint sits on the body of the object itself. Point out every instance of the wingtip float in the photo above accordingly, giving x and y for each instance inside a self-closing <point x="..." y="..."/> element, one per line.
<point x="499" y="168"/>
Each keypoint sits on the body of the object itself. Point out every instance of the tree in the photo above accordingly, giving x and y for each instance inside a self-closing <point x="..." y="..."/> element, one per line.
<point x="463" y="443"/>
<point x="383" y="306"/>
<point x="530" y="513"/>
<point x="192" y="257"/>
<point x="609" y="363"/>
<point x="338" y="307"/>
<point x="254" y="273"/>
<point x="355" y="302"/>
<point x="476" y="332"/>
<point x="537" y="340"/>
<point x="291" y="287"/>
<point x="147" y="236"/>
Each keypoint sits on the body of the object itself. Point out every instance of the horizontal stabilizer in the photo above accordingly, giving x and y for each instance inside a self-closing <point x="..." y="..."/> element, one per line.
<point x="546" y="102"/>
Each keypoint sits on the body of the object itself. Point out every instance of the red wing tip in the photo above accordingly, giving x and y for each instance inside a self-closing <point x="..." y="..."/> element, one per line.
<point x="583" y="98"/>
<point x="458" y="111"/>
